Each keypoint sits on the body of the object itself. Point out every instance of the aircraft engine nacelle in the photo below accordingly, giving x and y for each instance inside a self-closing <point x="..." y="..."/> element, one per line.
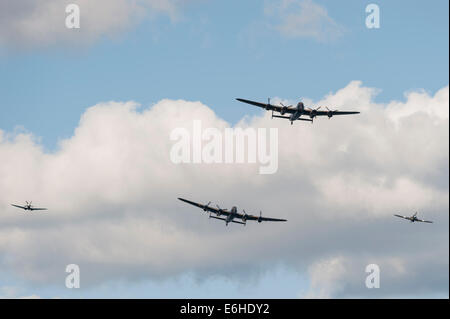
<point x="330" y="114"/>
<point x="244" y="218"/>
<point x="259" y="219"/>
<point x="300" y="106"/>
<point x="283" y="110"/>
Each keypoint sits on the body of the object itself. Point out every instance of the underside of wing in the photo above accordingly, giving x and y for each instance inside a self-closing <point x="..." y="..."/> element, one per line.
<point x="268" y="219"/>
<point x="425" y="221"/>
<point x="401" y="216"/>
<point x="204" y="207"/>
<point x="18" y="206"/>
<point x="333" y="113"/>
<point x="266" y="106"/>
<point x="265" y="219"/>
<point x="38" y="208"/>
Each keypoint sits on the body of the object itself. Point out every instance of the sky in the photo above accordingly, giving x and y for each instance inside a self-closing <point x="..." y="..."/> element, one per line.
<point x="85" y="121"/>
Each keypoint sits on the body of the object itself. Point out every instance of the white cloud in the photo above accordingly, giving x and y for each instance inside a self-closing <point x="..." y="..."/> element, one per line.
<point x="324" y="276"/>
<point x="38" y="23"/>
<point x="111" y="189"/>
<point x="303" y="18"/>
<point x="345" y="276"/>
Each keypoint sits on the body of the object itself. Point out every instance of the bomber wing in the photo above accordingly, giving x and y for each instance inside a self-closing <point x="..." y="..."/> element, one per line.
<point x="260" y="218"/>
<point x="206" y="208"/>
<point x="266" y="106"/>
<point x="329" y="113"/>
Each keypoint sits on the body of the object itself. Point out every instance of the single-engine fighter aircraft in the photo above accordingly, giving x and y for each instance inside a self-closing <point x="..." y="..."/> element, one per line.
<point x="296" y="111"/>
<point x="413" y="218"/>
<point x="28" y="206"/>
<point x="229" y="216"/>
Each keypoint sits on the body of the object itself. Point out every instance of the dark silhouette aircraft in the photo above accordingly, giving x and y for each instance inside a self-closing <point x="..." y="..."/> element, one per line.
<point x="28" y="206"/>
<point x="413" y="218"/>
<point x="229" y="216"/>
<point x="296" y="111"/>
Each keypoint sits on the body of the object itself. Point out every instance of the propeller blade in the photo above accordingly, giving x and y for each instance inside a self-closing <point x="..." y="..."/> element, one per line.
<point x="285" y="105"/>
<point x="205" y="208"/>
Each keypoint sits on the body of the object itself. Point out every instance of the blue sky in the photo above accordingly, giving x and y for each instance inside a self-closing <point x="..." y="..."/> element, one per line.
<point x="214" y="52"/>
<point x="217" y="51"/>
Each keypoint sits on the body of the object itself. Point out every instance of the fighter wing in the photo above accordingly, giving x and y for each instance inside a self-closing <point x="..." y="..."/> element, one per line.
<point x="206" y="208"/>
<point x="424" y="221"/>
<point x="266" y="106"/>
<point x="18" y="206"/>
<point x="401" y="216"/>
<point x="32" y="208"/>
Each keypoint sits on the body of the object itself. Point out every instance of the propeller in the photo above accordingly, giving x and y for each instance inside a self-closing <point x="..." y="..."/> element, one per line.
<point x="220" y="210"/>
<point x="330" y="112"/>
<point x="204" y="209"/>
<point x="260" y="217"/>
<point x="314" y="110"/>
<point x="284" y="108"/>
<point x="244" y="217"/>
<point x="313" y="113"/>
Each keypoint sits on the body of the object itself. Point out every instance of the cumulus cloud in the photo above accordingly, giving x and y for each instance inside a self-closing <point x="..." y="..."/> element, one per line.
<point x="31" y="23"/>
<point x="303" y="19"/>
<point x="112" y="188"/>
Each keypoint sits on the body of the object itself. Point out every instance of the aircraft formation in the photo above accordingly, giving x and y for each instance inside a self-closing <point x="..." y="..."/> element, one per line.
<point x="232" y="215"/>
